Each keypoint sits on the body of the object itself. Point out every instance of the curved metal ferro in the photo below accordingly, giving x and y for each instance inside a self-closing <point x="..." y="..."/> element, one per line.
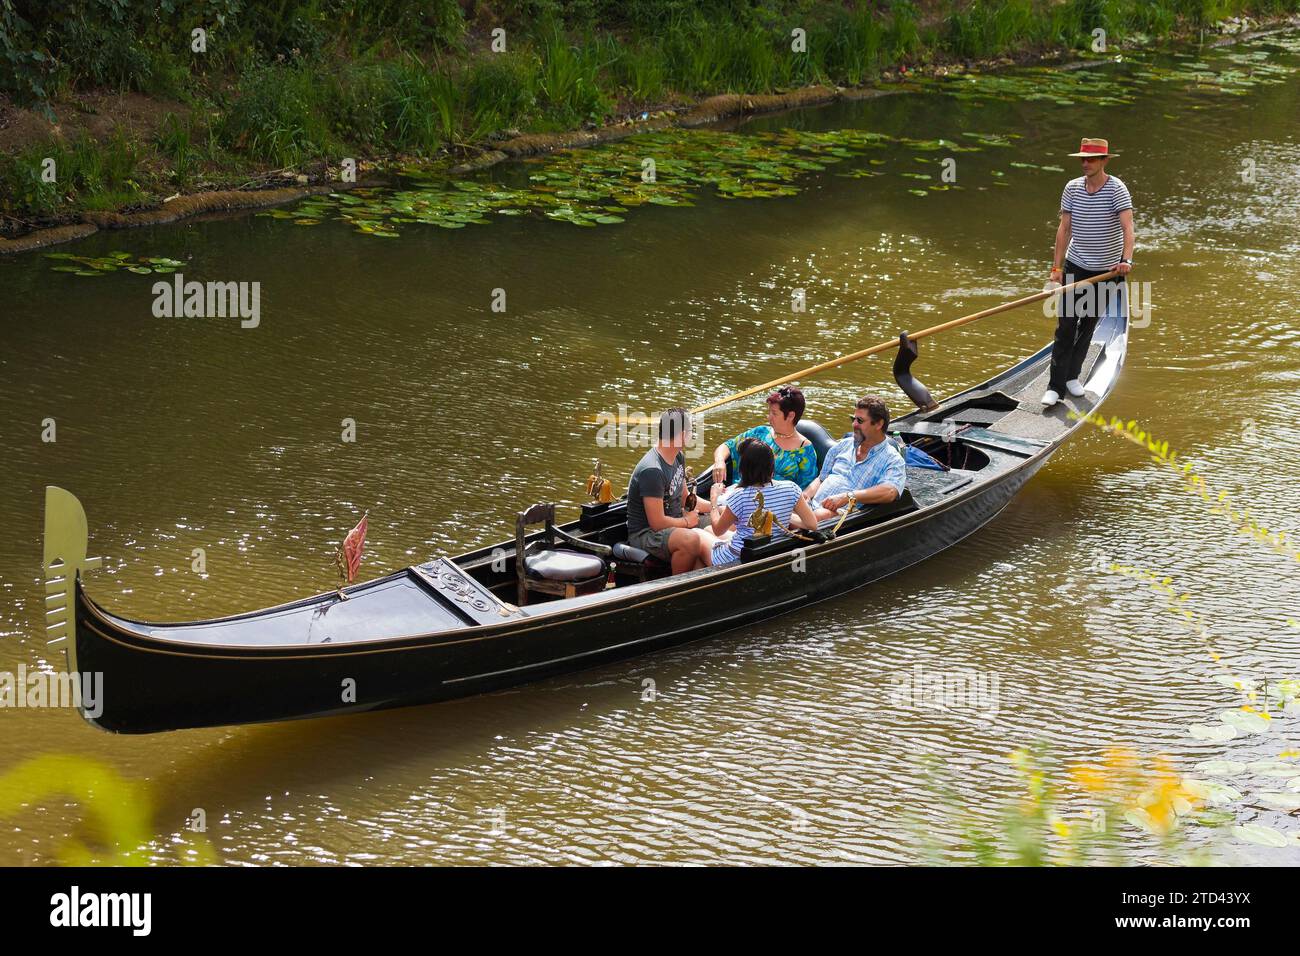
<point x="913" y="389"/>
<point x="65" y="557"/>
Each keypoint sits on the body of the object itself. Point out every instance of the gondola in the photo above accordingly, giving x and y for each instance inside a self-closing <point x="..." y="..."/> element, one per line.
<point x="479" y="622"/>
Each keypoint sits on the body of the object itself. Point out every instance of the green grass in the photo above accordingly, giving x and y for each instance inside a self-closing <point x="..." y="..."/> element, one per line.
<point x="287" y="82"/>
<point x="88" y="174"/>
<point x="279" y="114"/>
<point x="568" y="83"/>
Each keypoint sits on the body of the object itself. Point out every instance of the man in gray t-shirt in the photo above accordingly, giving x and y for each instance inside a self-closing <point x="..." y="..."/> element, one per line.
<point x="656" y="493"/>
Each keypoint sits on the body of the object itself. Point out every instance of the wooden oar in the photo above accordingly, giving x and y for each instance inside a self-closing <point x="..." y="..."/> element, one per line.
<point x="883" y="346"/>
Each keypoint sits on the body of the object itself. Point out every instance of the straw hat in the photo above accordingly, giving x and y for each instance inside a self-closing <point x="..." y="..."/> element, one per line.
<point x="1094" y="147"/>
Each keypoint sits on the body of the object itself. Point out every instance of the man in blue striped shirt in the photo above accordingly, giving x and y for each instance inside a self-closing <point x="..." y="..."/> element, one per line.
<point x="1095" y="236"/>
<point x="862" y="469"/>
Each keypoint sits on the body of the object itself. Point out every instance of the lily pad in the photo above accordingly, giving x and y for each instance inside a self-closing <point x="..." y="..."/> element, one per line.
<point x="1211" y="791"/>
<point x="1245" y="722"/>
<point x="1280" y="801"/>
<point x="1262" y="835"/>
<point x="1220" y="768"/>
<point x="1218" y="732"/>
<point x="1273" y="768"/>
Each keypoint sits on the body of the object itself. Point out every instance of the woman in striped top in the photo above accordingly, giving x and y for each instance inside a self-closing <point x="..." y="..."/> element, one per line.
<point x="782" y="498"/>
<point x="1095" y="236"/>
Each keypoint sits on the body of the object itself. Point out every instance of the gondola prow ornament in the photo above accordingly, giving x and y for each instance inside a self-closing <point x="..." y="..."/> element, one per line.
<point x="348" y="557"/>
<point x="601" y="490"/>
<point x="65" y="558"/>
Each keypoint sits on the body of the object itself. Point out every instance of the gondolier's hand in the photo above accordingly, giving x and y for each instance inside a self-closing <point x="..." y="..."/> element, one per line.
<point x="1123" y="267"/>
<point x="1057" y="274"/>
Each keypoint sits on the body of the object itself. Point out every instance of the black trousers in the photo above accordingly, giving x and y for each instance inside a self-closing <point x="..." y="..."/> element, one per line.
<point x="1078" y="312"/>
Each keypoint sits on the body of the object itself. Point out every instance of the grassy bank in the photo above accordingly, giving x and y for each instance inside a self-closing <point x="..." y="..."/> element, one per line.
<point x="286" y="88"/>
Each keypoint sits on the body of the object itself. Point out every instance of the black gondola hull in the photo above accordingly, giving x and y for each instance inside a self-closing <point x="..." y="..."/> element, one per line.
<point x="149" y="687"/>
<point x="401" y="640"/>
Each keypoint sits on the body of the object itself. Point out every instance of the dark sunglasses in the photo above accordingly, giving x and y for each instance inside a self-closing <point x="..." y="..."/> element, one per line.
<point x="857" y="418"/>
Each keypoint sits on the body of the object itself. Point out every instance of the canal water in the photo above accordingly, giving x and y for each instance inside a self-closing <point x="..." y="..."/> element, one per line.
<point x="817" y="737"/>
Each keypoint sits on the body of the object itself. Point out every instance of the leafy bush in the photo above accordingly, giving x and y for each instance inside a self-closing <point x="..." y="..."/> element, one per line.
<point x="276" y="115"/>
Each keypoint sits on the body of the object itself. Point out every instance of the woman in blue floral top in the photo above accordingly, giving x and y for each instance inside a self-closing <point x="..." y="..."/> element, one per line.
<point x="796" y="458"/>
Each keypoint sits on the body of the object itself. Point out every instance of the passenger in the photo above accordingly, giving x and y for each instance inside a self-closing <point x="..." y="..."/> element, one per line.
<point x="796" y="457"/>
<point x="780" y="497"/>
<point x="863" y="468"/>
<point x="656" y="497"/>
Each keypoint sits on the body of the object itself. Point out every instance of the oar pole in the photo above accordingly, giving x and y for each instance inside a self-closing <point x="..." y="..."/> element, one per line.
<point x="893" y="343"/>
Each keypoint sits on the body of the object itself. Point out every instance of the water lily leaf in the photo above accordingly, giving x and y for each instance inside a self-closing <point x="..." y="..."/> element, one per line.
<point x="1273" y="768"/>
<point x="1143" y="820"/>
<point x="1214" y="818"/>
<point x="1220" y="768"/>
<point x="1231" y="680"/>
<point x="76" y="270"/>
<point x="1211" y="791"/>
<point x="139" y="270"/>
<point x="120" y="255"/>
<point x="918" y="192"/>
<point x="1280" y="801"/>
<point x="59" y="255"/>
<point x="1245" y="722"/>
<point x="1209" y="732"/>
<point x="1261" y="835"/>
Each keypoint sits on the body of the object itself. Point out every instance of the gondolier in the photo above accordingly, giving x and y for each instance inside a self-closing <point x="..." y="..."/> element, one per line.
<point x="1095" y="235"/>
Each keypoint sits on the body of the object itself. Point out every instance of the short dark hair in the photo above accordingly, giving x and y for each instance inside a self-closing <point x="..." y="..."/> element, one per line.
<point x="789" y="399"/>
<point x="757" y="463"/>
<point x="674" y="422"/>
<point x="876" y="408"/>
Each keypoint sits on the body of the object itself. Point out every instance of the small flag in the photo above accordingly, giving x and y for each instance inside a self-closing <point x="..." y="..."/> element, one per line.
<point x="349" y="557"/>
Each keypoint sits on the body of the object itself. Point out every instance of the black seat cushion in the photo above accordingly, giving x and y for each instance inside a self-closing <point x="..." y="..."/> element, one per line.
<point x="625" y="552"/>
<point x="821" y="439"/>
<point x="560" y="565"/>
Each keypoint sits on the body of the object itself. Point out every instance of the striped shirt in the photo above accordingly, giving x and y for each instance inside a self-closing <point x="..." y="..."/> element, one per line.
<point x="841" y="471"/>
<point x="1096" y="236"/>
<point x="779" y="497"/>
